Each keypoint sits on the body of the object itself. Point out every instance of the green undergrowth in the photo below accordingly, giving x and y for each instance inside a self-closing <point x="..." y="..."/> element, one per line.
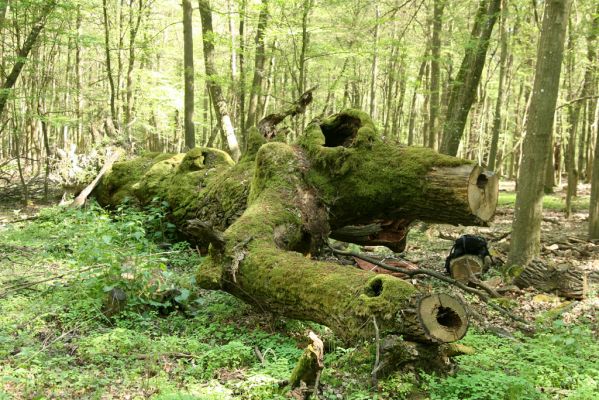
<point x="56" y="341"/>
<point x="550" y="202"/>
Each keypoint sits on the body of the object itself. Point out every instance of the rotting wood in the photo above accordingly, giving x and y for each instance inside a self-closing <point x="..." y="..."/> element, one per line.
<point x="277" y="206"/>
<point x="564" y="279"/>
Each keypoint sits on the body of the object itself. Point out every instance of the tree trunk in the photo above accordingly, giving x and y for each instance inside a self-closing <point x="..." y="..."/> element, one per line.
<point x="375" y="60"/>
<point x="412" y="117"/>
<point x="216" y="93"/>
<point x="3" y="8"/>
<point x="190" y="139"/>
<point x="463" y="89"/>
<point x="526" y="232"/>
<point x="277" y="206"/>
<point x="109" y="62"/>
<point x="594" y="201"/>
<point x="134" y="24"/>
<point x="256" y="90"/>
<point x="11" y="79"/>
<point x="435" y="72"/>
<point x="496" y="130"/>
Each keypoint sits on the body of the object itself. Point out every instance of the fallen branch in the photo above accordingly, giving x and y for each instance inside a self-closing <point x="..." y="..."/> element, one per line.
<point x="267" y="125"/>
<point x="82" y="197"/>
<point x="16" y="288"/>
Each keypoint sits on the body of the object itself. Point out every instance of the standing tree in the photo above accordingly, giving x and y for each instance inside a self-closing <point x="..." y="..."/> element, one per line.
<point x="435" y="72"/>
<point x="216" y="92"/>
<point x="190" y="139"/>
<point x="463" y="90"/>
<point x="11" y="79"/>
<point x="497" y="120"/>
<point x="258" y="66"/>
<point x="526" y="233"/>
<point x="594" y="203"/>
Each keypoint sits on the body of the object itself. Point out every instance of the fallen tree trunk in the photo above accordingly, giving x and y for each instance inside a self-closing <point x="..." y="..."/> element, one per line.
<point x="278" y="205"/>
<point x="564" y="280"/>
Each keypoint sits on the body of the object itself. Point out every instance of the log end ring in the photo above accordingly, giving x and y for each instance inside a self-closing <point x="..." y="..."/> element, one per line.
<point x="443" y="317"/>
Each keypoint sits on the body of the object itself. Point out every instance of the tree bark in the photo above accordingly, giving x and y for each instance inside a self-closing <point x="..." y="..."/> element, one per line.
<point x="190" y="140"/>
<point x="438" y="7"/>
<point x="412" y="117"/>
<point x="113" y="114"/>
<point x="134" y="24"/>
<point x="11" y="79"/>
<point x="526" y="234"/>
<point x="375" y="60"/>
<point x="496" y="130"/>
<point x="463" y="89"/>
<point x="594" y="201"/>
<point x="278" y="205"/>
<point x="260" y="57"/>
<point x="216" y="93"/>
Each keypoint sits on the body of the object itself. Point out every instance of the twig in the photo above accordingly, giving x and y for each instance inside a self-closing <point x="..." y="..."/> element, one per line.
<point x="16" y="288"/>
<point x="377" y="360"/>
<point x="439" y="276"/>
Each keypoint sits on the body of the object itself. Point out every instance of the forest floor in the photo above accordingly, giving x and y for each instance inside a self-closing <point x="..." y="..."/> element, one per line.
<point x="173" y="341"/>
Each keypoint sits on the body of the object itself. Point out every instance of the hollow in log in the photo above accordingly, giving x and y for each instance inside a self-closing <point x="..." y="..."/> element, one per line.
<point x="277" y="207"/>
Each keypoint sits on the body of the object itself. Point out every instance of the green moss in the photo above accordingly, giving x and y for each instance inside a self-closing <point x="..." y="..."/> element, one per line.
<point x="368" y="176"/>
<point x="200" y="158"/>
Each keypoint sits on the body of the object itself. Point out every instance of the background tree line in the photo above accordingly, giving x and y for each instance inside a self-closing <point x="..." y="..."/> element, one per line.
<point x="168" y="75"/>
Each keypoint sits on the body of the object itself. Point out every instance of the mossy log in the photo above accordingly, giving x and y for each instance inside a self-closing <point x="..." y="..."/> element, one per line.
<point x="277" y="207"/>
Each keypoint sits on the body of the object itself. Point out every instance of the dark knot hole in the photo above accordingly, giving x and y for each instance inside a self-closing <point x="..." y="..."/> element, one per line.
<point x="448" y="318"/>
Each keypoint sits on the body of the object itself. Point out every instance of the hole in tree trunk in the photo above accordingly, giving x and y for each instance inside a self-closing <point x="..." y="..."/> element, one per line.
<point x="375" y="288"/>
<point x="448" y="318"/>
<point x="341" y="131"/>
<point x="481" y="181"/>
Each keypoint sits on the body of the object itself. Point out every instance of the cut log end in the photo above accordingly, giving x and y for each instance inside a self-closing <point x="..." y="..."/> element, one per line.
<point x="462" y="268"/>
<point x="444" y="318"/>
<point x="483" y="192"/>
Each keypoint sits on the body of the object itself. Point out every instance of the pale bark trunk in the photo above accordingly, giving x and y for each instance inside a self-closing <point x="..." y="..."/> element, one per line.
<point x="218" y="99"/>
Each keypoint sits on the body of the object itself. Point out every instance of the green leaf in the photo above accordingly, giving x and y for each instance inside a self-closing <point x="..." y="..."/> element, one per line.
<point x="183" y="296"/>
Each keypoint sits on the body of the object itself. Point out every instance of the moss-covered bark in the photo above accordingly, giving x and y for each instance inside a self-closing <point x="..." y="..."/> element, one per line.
<point x="277" y="206"/>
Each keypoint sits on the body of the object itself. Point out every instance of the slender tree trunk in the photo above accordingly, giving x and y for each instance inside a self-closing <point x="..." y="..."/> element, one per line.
<point x="79" y="79"/>
<point x="594" y="202"/>
<point x="3" y="8"/>
<point x="375" y="60"/>
<point x="438" y="6"/>
<point x="525" y="242"/>
<point x="412" y="117"/>
<point x="592" y="69"/>
<point x="190" y="139"/>
<point x="497" y="120"/>
<point x="257" y="81"/>
<point x="242" y="127"/>
<point x="109" y="62"/>
<point x="11" y="79"/>
<point x="134" y="23"/>
<point x="216" y="93"/>
<point x="463" y="89"/>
